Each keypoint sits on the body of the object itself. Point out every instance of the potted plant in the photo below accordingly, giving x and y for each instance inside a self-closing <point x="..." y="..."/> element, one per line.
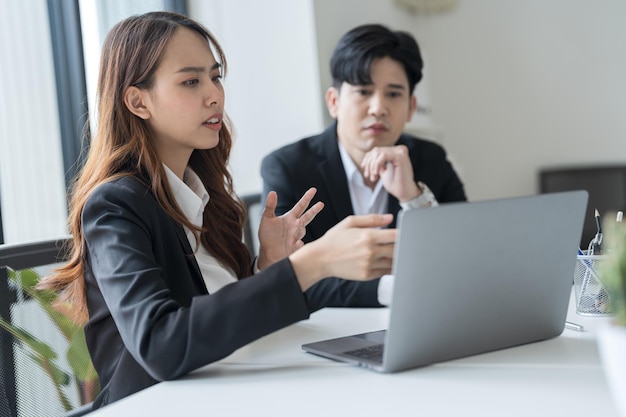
<point x="83" y="375"/>
<point x="612" y="338"/>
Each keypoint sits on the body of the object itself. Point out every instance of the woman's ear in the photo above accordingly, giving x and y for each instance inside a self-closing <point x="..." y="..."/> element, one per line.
<point x="135" y="102"/>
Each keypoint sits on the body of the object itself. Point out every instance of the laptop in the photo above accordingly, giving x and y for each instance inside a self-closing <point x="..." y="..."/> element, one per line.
<point x="472" y="278"/>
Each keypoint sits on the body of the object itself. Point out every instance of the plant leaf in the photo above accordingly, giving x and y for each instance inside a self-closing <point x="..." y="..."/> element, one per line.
<point x="27" y="339"/>
<point x="27" y="280"/>
<point x="57" y="375"/>
<point x="613" y="269"/>
<point x="78" y="357"/>
<point x="77" y="353"/>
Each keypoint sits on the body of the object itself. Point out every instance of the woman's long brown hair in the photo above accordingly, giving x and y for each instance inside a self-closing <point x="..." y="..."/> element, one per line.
<point x="130" y="56"/>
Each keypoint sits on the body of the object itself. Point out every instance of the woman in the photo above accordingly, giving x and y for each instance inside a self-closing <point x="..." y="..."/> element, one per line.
<point x="157" y="263"/>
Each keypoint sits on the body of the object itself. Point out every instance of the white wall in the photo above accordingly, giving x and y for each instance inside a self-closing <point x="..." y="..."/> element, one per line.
<point x="514" y="85"/>
<point x="519" y="85"/>
<point x="272" y="83"/>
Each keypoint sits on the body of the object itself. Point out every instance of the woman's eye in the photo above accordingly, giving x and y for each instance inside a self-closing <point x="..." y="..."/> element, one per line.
<point x="217" y="78"/>
<point x="191" y="83"/>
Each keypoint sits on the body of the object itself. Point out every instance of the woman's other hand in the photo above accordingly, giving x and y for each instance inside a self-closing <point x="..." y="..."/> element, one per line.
<point x="356" y="249"/>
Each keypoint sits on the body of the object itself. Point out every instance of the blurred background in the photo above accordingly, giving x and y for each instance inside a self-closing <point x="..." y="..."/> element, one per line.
<point x="511" y="87"/>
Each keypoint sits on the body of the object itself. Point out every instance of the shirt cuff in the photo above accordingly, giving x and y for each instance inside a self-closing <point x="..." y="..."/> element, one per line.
<point x="426" y="199"/>
<point x="385" y="289"/>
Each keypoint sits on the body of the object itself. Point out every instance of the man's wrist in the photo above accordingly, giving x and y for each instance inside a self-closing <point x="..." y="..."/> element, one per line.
<point x="425" y="199"/>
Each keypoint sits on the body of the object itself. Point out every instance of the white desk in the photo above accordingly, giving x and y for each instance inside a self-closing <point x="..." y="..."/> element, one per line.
<point x="273" y="376"/>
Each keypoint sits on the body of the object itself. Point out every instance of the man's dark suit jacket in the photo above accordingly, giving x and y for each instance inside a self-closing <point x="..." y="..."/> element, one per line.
<point x="316" y="162"/>
<point x="150" y="316"/>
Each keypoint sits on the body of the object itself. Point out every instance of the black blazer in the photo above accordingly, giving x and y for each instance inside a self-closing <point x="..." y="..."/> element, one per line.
<point x="150" y="316"/>
<point x="316" y="162"/>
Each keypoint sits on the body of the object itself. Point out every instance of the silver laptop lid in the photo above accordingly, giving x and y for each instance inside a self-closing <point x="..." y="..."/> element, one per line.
<point x="476" y="277"/>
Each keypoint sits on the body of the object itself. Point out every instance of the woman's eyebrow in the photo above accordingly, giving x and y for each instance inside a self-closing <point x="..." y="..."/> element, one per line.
<point x="215" y="66"/>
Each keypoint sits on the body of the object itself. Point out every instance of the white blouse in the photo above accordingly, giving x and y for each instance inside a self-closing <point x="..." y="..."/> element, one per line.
<point x="192" y="198"/>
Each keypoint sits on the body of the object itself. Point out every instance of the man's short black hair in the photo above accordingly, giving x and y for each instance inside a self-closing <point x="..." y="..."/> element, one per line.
<point x="352" y="59"/>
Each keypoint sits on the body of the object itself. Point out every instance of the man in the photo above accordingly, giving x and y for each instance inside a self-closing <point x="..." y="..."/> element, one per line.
<point x="363" y="163"/>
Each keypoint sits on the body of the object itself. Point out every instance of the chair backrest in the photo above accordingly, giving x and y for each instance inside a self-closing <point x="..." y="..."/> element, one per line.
<point x="606" y="186"/>
<point x="39" y="374"/>
<point x="252" y="202"/>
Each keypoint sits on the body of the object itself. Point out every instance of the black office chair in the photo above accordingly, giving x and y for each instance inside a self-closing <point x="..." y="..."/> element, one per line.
<point x="606" y="185"/>
<point x="45" y="369"/>
<point x="252" y="203"/>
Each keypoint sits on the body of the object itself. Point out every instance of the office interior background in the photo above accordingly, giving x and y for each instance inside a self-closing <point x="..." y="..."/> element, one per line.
<point x="510" y="87"/>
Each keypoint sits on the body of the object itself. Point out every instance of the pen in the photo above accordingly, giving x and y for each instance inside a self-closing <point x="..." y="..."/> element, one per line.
<point x="596" y="248"/>
<point x="574" y="326"/>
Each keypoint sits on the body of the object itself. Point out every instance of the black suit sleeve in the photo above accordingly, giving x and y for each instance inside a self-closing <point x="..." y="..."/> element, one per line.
<point x="278" y="176"/>
<point x="339" y="292"/>
<point x="432" y="167"/>
<point x="145" y="304"/>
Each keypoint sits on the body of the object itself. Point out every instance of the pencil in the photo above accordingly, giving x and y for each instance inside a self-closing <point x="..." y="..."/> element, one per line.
<point x="597" y="215"/>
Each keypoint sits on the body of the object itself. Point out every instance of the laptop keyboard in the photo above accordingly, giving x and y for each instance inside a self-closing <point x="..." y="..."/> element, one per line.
<point x="371" y="353"/>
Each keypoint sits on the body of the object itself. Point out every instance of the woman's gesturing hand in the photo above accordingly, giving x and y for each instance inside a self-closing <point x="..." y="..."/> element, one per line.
<point x="280" y="236"/>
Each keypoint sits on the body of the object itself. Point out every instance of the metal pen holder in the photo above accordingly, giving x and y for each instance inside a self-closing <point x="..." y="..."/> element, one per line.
<point x="591" y="297"/>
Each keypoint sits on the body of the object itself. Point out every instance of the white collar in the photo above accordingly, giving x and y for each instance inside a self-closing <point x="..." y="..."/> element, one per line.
<point x="352" y="172"/>
<point x="190" y="194"/>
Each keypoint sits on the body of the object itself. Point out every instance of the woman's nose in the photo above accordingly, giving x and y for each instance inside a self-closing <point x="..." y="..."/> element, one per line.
<point x="213" y="94"/>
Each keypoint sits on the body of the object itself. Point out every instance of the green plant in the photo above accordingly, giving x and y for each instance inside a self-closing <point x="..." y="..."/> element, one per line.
<point x="83" y="374"/>
<point x="613" y="269"/>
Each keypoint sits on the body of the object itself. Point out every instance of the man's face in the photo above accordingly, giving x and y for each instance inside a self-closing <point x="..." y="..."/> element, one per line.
<point x="372" y="115"/>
